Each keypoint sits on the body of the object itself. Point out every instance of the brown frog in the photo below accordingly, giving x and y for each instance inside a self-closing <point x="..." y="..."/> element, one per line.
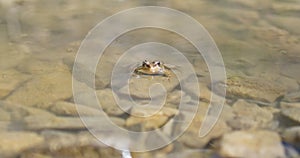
<point x="154" y="68"/>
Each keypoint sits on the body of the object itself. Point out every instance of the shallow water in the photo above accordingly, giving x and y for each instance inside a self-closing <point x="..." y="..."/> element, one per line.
<point x="259" y="42"/>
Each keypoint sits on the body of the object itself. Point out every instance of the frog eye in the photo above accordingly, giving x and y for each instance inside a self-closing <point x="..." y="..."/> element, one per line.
<point x="146" y="63"/>
<point x="157" y="63"/>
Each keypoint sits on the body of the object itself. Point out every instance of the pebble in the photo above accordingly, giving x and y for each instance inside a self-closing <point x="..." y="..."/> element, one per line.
<point x="17" y="112"/>
<point x="83" y="74"/>
<point x="200" y="67"/>
<point x="284" y="6"/>
<point x="67" y="123"/>
<point x="56" y="140"/>
<point x="9" y="80"/>
<point x="74" y="152"/>
<point x="191" y="138"/>
<point x="52" y="122"/>
<point x="292" y="113"/>
<point x="289" y="105"/>
<point x="290" y="84"/>
<point x="108" y="103"/>
<point x="252" y="144"/>
<point x="37" y="66"/>
<point x="292" y="136"/>
<point x="292" y="97"/>
<point x="204" y="92"/>
<point x="139" y="87"/>
<point x="176" y="96"/>
<point x="149" y="117"/>
<point x="13" y="143"/>
<point x="250" y="116"/>
<point x="4" y="116"/>
<point x="246" y="3"/>
<point x="252" y="88"/>
<point x="13" y="54"/>
<point x="284" y="21"/>
<point x="43" y="90"/>
<point x="64" y="108"/>
<point x="34" y="155"/>
<point x="291" y="70"/>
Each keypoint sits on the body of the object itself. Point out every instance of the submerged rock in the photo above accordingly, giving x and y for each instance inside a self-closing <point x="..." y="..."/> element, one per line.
<point x="292" y="113"/>
<point x="83" y="74"/>
<point x="83" y="151"/>
<point x="67" y="123"/>
<point x="52" y="122"/>
<point x="252" y="144"/>
<point x="292" y="97"/>
<point x="9" y="80"/>
<point x="13" y="54"/>
<point x="56" y="140"/>
<point x="250" y="116"/>
<point x="71" y="109"/>
<point x="18" y="112"/>
<point x="256" y="89"/>
<point x="13" y="143"/>
<point x="37" y="66"/>
<point x="292" y="136"/>
<point x="289" y="105"/>
<point x="191" y="137"/>
<point x="139" y="87"/>
<point x="149" y="118"/>
<point x="4" y="115"/>
<point x="108" y="103"/>
<point x="43" y="90"/>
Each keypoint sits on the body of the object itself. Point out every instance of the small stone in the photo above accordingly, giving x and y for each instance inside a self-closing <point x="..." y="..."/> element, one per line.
<point x="256" y="89"/>
<point x="9" y="80"/>
<point x="284" y="21"/>
<point x="56" y="140"/>
<point x="292" y="136"/>
<point x="292" y="69"/>
<point x="200" y="67"/>
<point x="292" y="97"/>
<point x="249" y="116"/>
<point x="246" y="3"/>
<point x="67" y="123"/>
<point x="38" y="66"/>
<point x="43" y="90"/>
<point x="188" y="153"/>
<point x="69" y="109"/>
<point x="139" y="87"/>
<point x="52" y="122"/>
<point x="12" y="55"/>
<point x="256" y="144"/>
<point x="84" y="95"/>
<point x="4" y="115"/>
<point x="13" y="143"/>
<point x="284" y="7"/>
<point x="108" y="103"/>
<point x="176" y="96"/>
<point x="290" y="84"/>
<point x="34" y="155"/>
<point x="289" y="105"/>
<point x="18" y="112"/>
<point x="83" y="74"/>
<point x="204" y="92"/>
<point x="292" y="113"/>
<point x="150" y="118"/>
<point x="191" y="137"/>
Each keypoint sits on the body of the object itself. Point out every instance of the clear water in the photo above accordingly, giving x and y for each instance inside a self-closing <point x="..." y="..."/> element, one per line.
<point x="255" y="38"/>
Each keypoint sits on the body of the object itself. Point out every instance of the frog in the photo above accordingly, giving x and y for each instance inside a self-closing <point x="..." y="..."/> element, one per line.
<point x="154" y="68"/>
